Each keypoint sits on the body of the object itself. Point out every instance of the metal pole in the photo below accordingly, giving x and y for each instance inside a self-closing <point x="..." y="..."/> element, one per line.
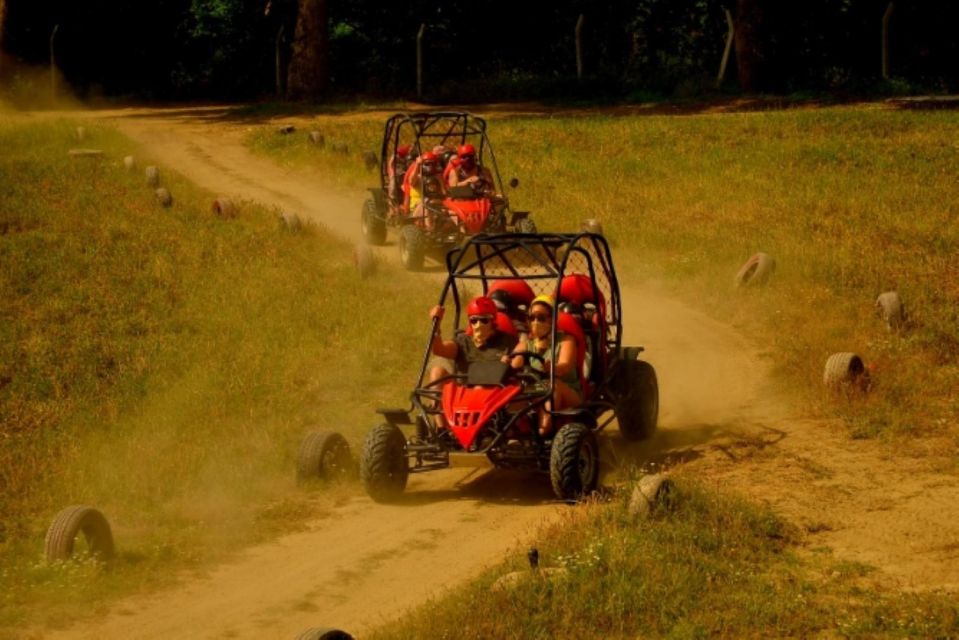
<point x="279" y="65"/>
<point x="885" y="41"/>
<point x="729" y="46"/>
<point x="579" y="47"/>
<point x="419" y="61"/>
<point x="53" y="63"/>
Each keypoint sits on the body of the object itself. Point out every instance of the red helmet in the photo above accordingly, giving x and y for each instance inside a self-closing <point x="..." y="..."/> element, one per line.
<point x="519" y="291"/>
<point x="403" y="150"/>
<point x="466" y="150"/>
<point x="481" y="306"/>
<point x="430" y="162"/>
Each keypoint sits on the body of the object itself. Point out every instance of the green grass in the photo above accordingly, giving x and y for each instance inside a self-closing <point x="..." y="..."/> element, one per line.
<point x="851" y="201"/>
<point x="714" y="566"/>
<point x="163" y="365"/>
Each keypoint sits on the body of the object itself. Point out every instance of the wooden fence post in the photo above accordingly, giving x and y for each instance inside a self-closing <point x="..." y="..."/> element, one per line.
<point x="729" y="45"/>
<point x="579" y="47"/>
<point x="53" y="62"/>
<point x="885" y="41"/>
<point x="419" y="61"/>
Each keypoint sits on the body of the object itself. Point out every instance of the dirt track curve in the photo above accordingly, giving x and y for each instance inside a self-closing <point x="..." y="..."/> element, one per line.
<point x="720" y="416"/>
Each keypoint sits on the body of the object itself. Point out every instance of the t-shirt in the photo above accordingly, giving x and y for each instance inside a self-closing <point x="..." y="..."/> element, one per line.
<point x="498" y="345"/>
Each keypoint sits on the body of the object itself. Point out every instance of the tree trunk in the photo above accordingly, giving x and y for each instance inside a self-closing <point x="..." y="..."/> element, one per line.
<point x="3" y="26"/>
<point x="750" y="40"/>
<point x="308" y="73"/>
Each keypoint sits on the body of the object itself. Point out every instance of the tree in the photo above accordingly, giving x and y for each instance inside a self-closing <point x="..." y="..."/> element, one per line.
<point x="750" y="43"/>
<point x="308" y="75"/>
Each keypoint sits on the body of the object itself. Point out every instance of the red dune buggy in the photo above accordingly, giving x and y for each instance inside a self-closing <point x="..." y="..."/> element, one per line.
<point x="489" y="413"/>
<point x="448" y="214"/>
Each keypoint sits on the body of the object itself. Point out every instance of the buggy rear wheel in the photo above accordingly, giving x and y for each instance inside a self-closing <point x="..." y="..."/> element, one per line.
<point x="574" y="462"/>
<point x="412" y="247"/>
<point x="383" y="465"/>
<point x="373" y="225"/>
<point x="637" y="406"/>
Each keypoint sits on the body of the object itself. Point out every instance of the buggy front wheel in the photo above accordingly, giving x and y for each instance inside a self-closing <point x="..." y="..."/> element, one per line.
<point x="383" y="465"/>
<point x="574" y="462"/>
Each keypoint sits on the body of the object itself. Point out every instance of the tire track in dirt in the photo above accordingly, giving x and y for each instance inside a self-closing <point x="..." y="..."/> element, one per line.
<point x="721" y="419"/>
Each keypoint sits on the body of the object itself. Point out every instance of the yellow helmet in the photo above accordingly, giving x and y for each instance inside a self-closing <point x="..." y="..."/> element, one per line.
<point x="544" y="298"/>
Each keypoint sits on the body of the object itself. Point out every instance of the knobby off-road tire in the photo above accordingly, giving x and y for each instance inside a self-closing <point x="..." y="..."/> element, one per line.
<point x="412" y="247"/>
<point x="72" y="521"/>
<point x="323" y="455"/>
<point x="844" y="370"/>
<point x="323" y="633"/>
<point x="756" y="271"/>
<point x="574" y="462"/>
<point x="637" y="405"/>
<point x="373" y="226"/>
<point x="383" y="465"/>
<point x="889" y="306"/>
<point x="525" y="225"/>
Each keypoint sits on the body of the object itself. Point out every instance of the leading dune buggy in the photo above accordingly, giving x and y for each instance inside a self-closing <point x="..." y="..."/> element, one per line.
<point x="447" y="218"/>
<point x="489" y="413"/>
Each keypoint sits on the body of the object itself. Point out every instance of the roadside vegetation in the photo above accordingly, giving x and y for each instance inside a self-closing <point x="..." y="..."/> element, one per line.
<point x="164" y="364"/>
<point x="850" y="201"/>
<point x="712" y="566"/>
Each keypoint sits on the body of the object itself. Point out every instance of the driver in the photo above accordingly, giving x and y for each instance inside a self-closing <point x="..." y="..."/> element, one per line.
<point x="485" y="342"/>
<point x="466" y="172"/>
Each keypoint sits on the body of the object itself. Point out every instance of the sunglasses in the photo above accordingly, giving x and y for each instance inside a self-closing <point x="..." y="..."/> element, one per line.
<point x="539" y="317"/>
<point x="480" y="319"/>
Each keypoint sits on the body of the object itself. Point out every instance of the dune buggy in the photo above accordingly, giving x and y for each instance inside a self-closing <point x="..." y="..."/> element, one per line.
<point x="460" y="212"/>
<point x="489" y="413"/>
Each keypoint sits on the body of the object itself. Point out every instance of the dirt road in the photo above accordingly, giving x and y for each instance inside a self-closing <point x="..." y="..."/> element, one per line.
<point x="720" y="417"/>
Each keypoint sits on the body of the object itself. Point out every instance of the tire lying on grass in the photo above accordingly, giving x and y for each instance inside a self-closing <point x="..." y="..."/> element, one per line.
<point x="323" y="633"/>
<point x="846" y="370"/>
<point x="652" y="492"/>
<point x="525" y="225"/>
<point x="756" y="271"/>
<point x="72" y="521"/>
<point x="370" y="161"/>
<point x="317" y="138"/>
<point x="129" y="163"/>
<point x="890" y="309"/>
<point x="223" y="208"/>
<point x="290" y="221"/>
<point x="323" y="455"/>
<point x="163" y="197"/>
<point x="153" y="176"/>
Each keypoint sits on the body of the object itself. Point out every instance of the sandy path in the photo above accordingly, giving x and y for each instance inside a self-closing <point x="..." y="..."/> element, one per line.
<point x="720" y="418"/>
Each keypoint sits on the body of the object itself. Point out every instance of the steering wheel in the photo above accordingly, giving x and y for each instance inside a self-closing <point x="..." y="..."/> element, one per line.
<point x="528" y="373"/>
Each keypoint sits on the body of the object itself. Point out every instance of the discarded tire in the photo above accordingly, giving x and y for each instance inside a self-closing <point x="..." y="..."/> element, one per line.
<point x="323" y="455"/>
<point x="81" y="133"/>
<point x="287" y="129"/>
<point x="340" y="147"/>
<point x="756" y="271"/>
<point x="370" y="161"/>
<point x="890" y="309"/>
<point x="323" y="633"/>
<point x="153" y="176"/>
<point x="592" y="225"/>
<point x="317" y="138"/>
<point x="525" y="225"/>
<point x="129" y="163"/>
<point x="291" y="221"/>
<point x="72" y="521"/>
<point x="845" y="370"/>
<point x="652" y="492"/>
<point x="364" y="260"/>
<point x="163" y="197"/>
<point x="223" y="208"/>
<point x="84" y="153"/>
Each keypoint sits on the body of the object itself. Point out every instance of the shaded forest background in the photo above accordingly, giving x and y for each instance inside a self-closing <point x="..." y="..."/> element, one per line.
<point x="178" y="49"/>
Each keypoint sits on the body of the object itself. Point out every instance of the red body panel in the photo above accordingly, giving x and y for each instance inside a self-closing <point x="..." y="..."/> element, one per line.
<point x="472" y="214"/>
<point x="468" y="408"/>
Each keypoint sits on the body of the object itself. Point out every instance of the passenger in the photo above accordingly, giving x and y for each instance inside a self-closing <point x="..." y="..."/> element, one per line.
<point x="560" y="357"/>
<point x="422" y="183"/>
<point x="396" y="171"/>
<point x="466" y="172"/>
